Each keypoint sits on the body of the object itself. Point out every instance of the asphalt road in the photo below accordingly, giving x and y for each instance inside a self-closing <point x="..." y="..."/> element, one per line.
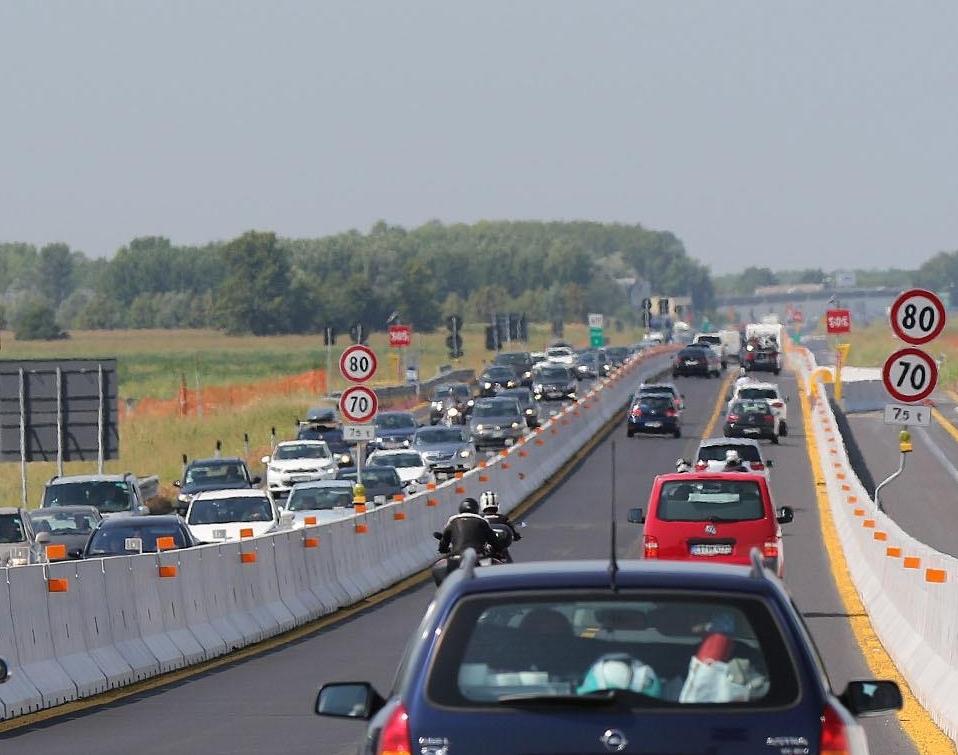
<point x="264" y="705"/>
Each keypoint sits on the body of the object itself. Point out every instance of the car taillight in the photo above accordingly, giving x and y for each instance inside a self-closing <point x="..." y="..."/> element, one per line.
<point x="757" y="466"/>
<point x="777" y="404"/>
<point x="733" y="418"/>
<point x="834" y="738"/>
<point x="394" y="739"/>
<point x="770" y="549"/>
<point x="768" y="419"/>
<point x="650" y="546"/>
<point x="670" y="412"/>
<point x="636" y="412"/>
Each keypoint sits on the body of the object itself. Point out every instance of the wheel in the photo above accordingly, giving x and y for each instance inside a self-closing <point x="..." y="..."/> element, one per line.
<point x="678" y="432"/>
<point x="774" y="440"/>
<point x="776" y="370"/>
<point x="630" y="433"/>
<point x="783" y="429"/>
<point x="724" y="365"/>
<point x="726" y="433"/>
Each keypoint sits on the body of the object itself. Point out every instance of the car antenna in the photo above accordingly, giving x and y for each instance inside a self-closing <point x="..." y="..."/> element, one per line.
<point x="613" y="561"/>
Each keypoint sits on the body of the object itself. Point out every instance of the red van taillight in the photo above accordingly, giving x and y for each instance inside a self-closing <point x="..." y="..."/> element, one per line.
<point x="394" y="739"/>
<point x="650" y="546"/>
<point x="757" y="466"/>
<point x="834" y="739"/>
<point x="770" y="549"/>
<point x="749" y="356"/>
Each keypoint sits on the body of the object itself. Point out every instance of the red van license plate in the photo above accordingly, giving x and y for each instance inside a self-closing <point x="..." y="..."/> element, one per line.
<point x="711" y="549"/>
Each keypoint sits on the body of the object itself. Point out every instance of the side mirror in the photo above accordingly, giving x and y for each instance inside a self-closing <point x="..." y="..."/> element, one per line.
<point x="437" y="535"/>
<point x="75" y="553"/>
<point x="264" y="460"/>
<point x="871" y="698"/>
<point x="256" y="480"/>
<point x="785" y="515"/>
<point x="43" y="538"/>
<point x="177" y="484"/>
<point x="348" y="700"/>
<point x="4" y="671"/>
<point x="769" y="463"/>
<point x="636" y="516"/>
<point x="143" y="510"/>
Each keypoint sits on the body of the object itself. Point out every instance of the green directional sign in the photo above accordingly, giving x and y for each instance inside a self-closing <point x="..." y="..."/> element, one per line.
<point x="596" y="338"/>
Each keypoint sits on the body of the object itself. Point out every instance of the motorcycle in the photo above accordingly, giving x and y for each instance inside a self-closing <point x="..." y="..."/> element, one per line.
<point x="452" y="416"/>
<point x="445" y="565"/>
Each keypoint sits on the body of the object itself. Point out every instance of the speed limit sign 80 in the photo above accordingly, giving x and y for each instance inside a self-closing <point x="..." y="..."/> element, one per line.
<point x="358" y="363"/>
<point x="917" y="316"/>
<point x="910" y="375"/>
<point x="358" y="404"/>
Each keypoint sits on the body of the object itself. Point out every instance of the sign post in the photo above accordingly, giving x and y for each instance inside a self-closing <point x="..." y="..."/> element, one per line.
<point x="359" y="403"/>
<point x="596" y="333"/>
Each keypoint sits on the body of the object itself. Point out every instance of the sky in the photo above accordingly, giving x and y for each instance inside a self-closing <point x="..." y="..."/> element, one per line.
<point x="785" y="134"/>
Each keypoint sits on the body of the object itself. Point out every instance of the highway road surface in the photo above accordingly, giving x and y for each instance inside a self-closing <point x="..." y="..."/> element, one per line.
<point x="264" y="705"/>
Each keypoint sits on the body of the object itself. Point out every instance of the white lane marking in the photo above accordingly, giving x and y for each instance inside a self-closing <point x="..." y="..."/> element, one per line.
<point x="938" y="453"/>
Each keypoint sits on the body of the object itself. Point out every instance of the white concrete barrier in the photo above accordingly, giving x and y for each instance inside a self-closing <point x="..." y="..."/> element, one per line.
<point x="119" y="620"/>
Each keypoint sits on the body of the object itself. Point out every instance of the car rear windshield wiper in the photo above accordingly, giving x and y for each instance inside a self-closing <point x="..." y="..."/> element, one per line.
<point x="590" y="699"/>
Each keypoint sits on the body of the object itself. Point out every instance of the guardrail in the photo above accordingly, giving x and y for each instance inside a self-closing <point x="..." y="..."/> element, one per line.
<point x="74" y="629"/>
<point x="909" y="589"/>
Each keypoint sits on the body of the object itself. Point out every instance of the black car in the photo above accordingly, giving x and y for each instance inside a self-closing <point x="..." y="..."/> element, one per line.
<point x="112" y="536"/>
<point x="520" y="361"/>
<point x="697" y="359"/>
<point x="448" y="396"/>
<point x="751" y="418"/>
<point x="559" y="657"/>
<point x="495" y="378"/>
<point x="395" y="429"/>
<point x="618" y="354"/>
<point x="553" y="382"/>
<point x="527" y="404"/>
<point x="321" y="424"/>
<point x="654" y="413"/>
<point x="591" y="363"/>
<point x="69" y="526"/>
<point x="381" y="483"/>
<point x="496" y="422"/>
<point x="229" y="473"/>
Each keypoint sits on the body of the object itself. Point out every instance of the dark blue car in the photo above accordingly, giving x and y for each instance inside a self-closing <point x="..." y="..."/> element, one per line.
<point x="654" y="413"/>
<point x="395" y="429"/>
<point x="551" y="658"/>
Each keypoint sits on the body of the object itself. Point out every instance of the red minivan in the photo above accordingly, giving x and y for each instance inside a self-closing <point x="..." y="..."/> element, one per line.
<point x="715" y="517"/>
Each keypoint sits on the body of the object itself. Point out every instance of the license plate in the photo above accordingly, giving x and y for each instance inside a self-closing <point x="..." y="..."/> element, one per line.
<point x="379" y="499"/>
<point x="690" y="363"/>
<point x="219" y="534"/>
<point x="711" y="549"/>
<point x="497" y="433"/>
<point x="300" y="478"/>
<point x="752" y="431"/>
<point x="653" y="424"/>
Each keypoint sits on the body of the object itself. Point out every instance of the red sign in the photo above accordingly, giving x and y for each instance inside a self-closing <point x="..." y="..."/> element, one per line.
<point x="838" y="321"/>
<point x="909" y="375"/>
<point x="358" y="404"/>
<point x="917" y="316"/>
<point x="358" y="363"/>
<point x="796" y="316"/>
<point x="400" y="335"/>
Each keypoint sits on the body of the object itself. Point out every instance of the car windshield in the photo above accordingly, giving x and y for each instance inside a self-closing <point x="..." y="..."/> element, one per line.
<point x="495" y="409"/>
<point x="430" y="435"/>
<point x="11" y="529"/>
<point x="58" y="522"/>
<point x="558" y="352"/>
<point x="690" y="353"/>
<point x="230" y="510"/>
<point x="500" y="373"/>
<point x="400" y="461"/>
<point x="758" y="393"/>
<point x="518" y="359"/>
<point x="216" y="474"/>
<point x="746" y="452"/>
<point x="301" y="451"/>
<point x="709" y="339"/>
<point x="395" y="421"/>
<point x="111" y="541"/>
<point x="553" y="373"/>
<point x="380" y="476"/>
<point x="710" y="500"/>
<point x="751" y="407"/>
<point x="108" y="496"/>
<point x="311" y="499"/>
<point x="644" y="650"/>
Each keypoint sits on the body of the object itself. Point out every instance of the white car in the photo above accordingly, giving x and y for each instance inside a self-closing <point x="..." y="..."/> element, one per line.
<point x="326" y="500"/>
<point x="561" y="355"/>
<point x="216" y="516"/>
<point x="295" y="461"/>
<point x="413" y="469"/>
<point x="714" y="341"/>
<point x="769" y="392"/>
<point x="710" y="456"/>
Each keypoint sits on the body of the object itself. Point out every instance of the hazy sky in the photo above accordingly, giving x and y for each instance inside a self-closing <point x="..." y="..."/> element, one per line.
<point x="781" y="133"/>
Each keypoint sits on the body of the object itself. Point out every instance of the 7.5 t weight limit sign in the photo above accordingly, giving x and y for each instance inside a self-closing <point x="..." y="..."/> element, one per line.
<point x="909" y="375"/>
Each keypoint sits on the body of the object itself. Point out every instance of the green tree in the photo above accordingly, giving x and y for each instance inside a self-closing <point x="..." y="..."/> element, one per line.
<point x="54" y="273"/>
<point x="252" y="294"/>
<point x="36" y="321"/>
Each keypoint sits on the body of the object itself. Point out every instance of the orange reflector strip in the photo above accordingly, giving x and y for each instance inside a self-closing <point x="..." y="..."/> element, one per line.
<point x="361" y="529"/>
<point x="167" y="571"/>
<point x="840" y="476"/>
<point x="483" y="478"/>
<point x="399" y="516"/>
<point x="853" y="499"/>
<point x="540" y="442"/>
<point x="360" y="508"/>
<point x="879" y="535"/>
<point x="845" y="488"/>
<point x="246" y="532"/>
<point x="911" y="562"/>
<point x="432" y="502"/>
<point x="309" y="520"/>
<point x="458" y="475"/>
<point x="523" y="454"/>
<point x="56" y="552"/>
<point x="460" y="490"/>
<point x="430" y="486"/>
<point x="554" y="430"/>
<point x="506" y="465"/>
<point x="833" y="451"/>
<point x="482" y="464"/>
<point x="859" y="512"/>
<point x="248" y="558"/>
<point x="58" y="585"/>
<point x="165" y="543"/>
<point x="398" y="496"/>
<point x="893" y="552"/>
<point x="504" y="452"/>
<point x="869" y="524"/>
<point x="935" y="575"/>
<point x="310" y="542"/>
<point x="837" y="464"/>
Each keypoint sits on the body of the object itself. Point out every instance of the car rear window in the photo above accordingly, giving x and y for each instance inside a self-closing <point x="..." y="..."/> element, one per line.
<point x="759" y="393"/>
<point x="11" y="529"/>
<point x="657" y="651"/>
<point x="109" y="496"/>
<point x="751" y="407"/>
<point x="717" y="453"/>
<point x="655" y="402"/>
<point x="710" y="501"/>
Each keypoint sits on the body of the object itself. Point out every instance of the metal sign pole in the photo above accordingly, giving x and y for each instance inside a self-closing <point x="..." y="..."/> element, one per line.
<point x="99" y="422"/>
<point x="59" y="422"/>
<point x="23" y="440"/>
<point x="360" y="455"/>
<point x="329" y="359"/>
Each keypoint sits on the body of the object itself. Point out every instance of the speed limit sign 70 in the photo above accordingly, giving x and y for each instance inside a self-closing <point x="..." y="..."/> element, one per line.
<point x="917" y="316"/>
<point x="358" y="363"/>
<point x="358" y="404"/>
<point x="909" y="375"/>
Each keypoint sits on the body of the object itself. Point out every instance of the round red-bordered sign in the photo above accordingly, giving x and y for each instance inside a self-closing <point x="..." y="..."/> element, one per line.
<point x="358" y="404"/>
<point x="909" y="375"/>
<point x="358" y="363"/>
<point x="917" y="316"/>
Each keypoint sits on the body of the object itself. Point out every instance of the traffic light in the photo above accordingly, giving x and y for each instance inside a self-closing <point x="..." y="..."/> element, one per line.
<point x="454" y="339"/>
<point x="492" y="338"/>
<point x="329" y="336"/>
<point x="359" y="333"/>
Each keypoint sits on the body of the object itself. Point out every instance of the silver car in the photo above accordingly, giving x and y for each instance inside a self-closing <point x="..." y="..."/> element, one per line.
<point x="18" y="541"/>
<point x="447" y="450"/>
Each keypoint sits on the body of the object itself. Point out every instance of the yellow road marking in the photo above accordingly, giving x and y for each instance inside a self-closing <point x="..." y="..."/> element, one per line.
<point x="942" y="420"/>
<point x="915" y="720"/>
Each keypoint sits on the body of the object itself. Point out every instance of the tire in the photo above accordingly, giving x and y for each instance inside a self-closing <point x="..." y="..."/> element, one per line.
<point x="783" y="429"/>
<point x="776" y="371"/>
<point x="677" y="433"/>
<point x="630" y="433"/>
<point x="774" y="440"/>
<point x="726" y="433"/>
<point x="724" y="365"/>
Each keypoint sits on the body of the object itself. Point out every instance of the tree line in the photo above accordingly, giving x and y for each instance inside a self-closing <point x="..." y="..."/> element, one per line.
<point x="263" y="284"/>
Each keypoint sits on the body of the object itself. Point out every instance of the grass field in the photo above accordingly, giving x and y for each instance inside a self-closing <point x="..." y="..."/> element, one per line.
<point x="152" y="363"/>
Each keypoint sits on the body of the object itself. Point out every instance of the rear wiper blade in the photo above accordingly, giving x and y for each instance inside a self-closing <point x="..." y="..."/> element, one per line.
<point x="603" y="697"/>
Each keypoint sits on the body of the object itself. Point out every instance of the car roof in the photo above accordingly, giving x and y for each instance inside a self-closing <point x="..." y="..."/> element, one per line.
<point x="211" y="495"/>
<point x="707" y="442"/>
<point x="303" y="442"/>
<point x="120" y="521"/>
<point x="394" y="452"/>
<point x="214" y="461"/>
<point x="12" y="510"/>
<point x="657" y="386"/>
<point x="71" y="509"/>
<point x="690" y="476"/>
<point x="757" y="384"/>
<point x="87" y="478"/>
<point x="314" y="484"/>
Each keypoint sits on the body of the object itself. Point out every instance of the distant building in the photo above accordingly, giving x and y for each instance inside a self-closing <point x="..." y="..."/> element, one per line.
<point x="794" y="288"/>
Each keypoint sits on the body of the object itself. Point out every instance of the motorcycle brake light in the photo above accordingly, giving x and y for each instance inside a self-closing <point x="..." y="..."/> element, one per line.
<point x="394" y="739"/>
<point x="834" y="738"/>
<point x="650" y="546"/>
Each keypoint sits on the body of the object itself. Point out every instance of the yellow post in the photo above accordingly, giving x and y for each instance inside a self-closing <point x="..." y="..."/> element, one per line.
<point x="842" y="351"/>
<point x="904" y="442"/>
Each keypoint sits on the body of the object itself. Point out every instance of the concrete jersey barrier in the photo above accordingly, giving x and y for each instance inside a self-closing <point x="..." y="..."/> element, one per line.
<point x="73" y="629"/>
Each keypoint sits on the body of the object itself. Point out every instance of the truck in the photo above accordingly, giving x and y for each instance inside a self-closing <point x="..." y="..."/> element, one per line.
<point x="763" y="347"/>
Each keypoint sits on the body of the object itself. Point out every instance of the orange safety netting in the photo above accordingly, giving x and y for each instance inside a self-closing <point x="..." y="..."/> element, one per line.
<point x="216" y="398"/>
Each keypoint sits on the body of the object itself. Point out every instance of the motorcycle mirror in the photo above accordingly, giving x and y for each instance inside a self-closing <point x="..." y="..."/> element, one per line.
<point x="523" y="525"/>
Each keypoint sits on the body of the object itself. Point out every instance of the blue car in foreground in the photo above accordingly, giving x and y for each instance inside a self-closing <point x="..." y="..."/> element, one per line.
<point x="557" y="657"/>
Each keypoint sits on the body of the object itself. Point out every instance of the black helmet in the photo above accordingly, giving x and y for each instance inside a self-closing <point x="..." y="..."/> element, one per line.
<point x="469" y="506"/>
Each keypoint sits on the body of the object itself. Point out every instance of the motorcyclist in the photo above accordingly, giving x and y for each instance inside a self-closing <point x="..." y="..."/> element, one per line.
<point x="733" y="462"/>
<point x="489" y="501"/>
<point x="468" y="529"/>
<point x="681" y="465"/>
